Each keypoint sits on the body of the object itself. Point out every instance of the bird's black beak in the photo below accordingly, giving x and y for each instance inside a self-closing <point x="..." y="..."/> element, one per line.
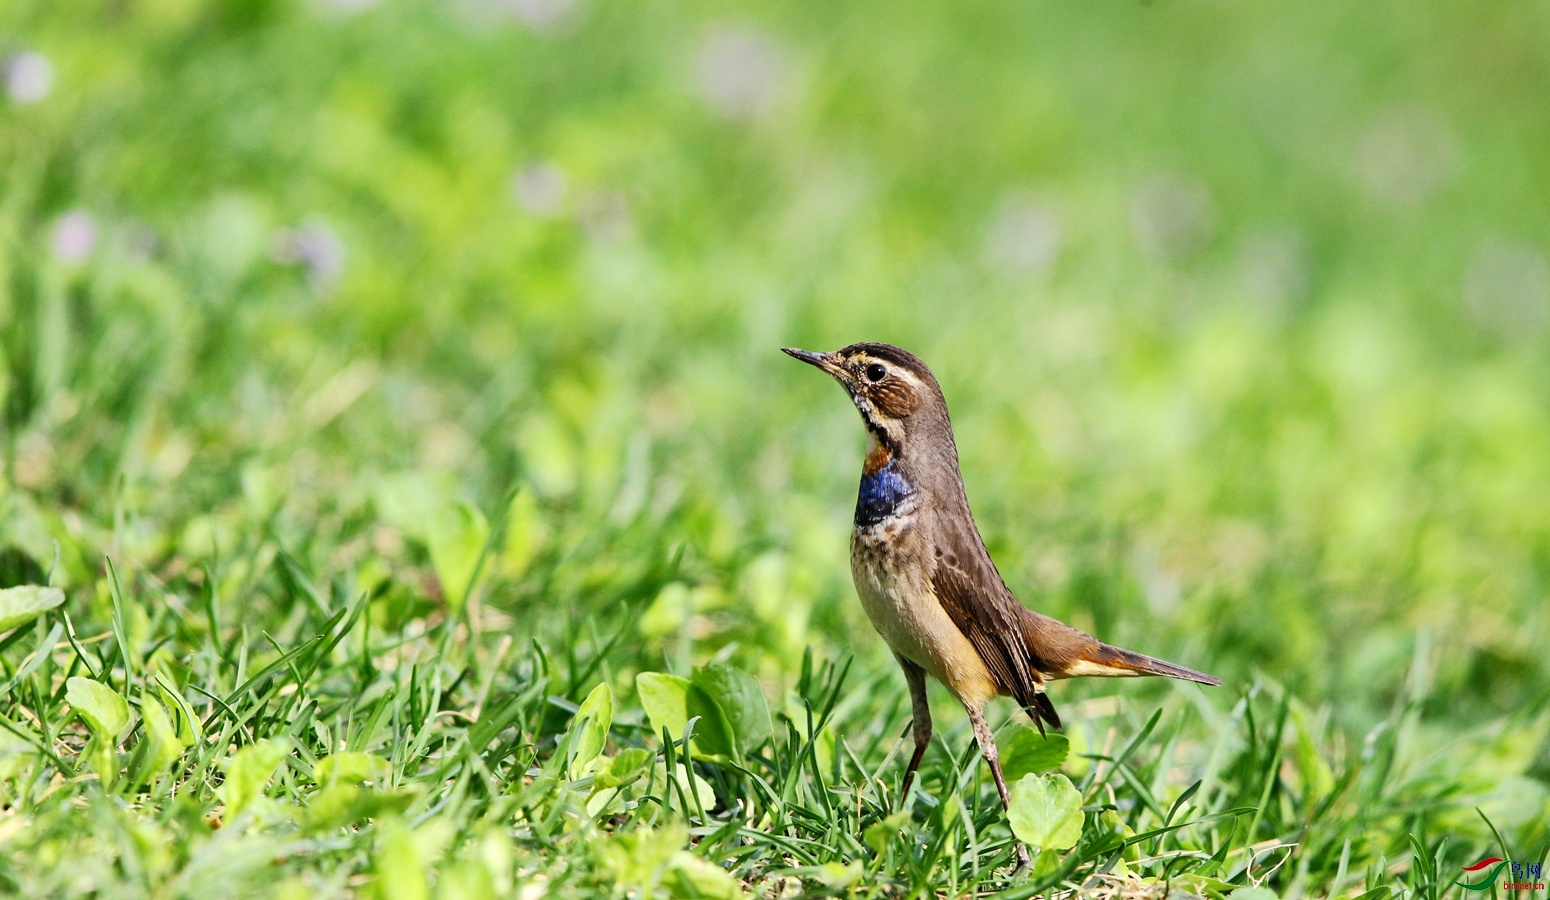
<point x="824" y="361"/>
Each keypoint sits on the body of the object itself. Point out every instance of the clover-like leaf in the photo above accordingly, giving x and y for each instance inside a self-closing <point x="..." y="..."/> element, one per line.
<point x="458" y="536"/>
<point x="666" y="701"/>
<point x="23" y="603"/>
<point x="352" y="767"/>
<point x="162" y="744"/>
<point x="689" y="876"/>
<point x="1025" y="751"/>
<point x="589" y="730"/>
<point x="524" y="533"/>
<point x="105" y="711"/>
<point x="741" y="700"/>
<point x="1046" y="811"/>
<point x="341" y="804"/>
<point x="629" y="766"/>
<point x="696" y="790"/>
<point x="712" y="730"/>
<point x="247" y="774"/>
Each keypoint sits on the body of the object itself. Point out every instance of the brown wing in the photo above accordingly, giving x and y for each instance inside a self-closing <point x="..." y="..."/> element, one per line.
<point x="977" y="600"/>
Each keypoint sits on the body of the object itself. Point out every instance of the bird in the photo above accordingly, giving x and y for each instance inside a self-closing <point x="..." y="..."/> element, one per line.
<point x="924" y="577"/>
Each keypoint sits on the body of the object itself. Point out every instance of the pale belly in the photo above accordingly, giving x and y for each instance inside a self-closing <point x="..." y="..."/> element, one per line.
<point x="904" y="610"/>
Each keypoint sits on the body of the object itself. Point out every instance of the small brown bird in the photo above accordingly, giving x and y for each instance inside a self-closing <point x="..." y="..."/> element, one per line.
<point x="924" y="576"/>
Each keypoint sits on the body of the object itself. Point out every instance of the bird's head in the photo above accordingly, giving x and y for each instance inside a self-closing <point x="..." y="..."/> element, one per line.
<point x="892" y="388"/>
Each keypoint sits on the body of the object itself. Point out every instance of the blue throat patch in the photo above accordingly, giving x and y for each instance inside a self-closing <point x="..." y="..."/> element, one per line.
<point x="881" y="493"/>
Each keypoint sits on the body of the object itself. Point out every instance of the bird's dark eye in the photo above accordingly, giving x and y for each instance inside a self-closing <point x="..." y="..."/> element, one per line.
<point x="876" y="372"/>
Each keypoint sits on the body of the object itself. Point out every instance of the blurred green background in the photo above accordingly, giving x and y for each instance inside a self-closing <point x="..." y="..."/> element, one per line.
<point x="1241" y="312"/>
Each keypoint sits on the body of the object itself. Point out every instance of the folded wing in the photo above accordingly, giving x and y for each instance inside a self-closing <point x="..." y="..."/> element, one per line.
<point x="1020" y="647"/>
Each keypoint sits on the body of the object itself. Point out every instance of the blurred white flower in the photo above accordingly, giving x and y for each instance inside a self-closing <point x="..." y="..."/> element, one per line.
<point x="605" y="217"/>
<point x="1507" y="287"/>
<point x="1173" y="215"/>
<point x="1405" y="156"/>
<point x="740" y="71"/>
<point x="75" y="236"/>
<point x="34" y="463"/>
<point x="542" y="15"/>
<point x="350" y="7"/>
<point x="140" y="242"/>
<point x="29" y="77"/>
<point x="317" y="248"/>
<point x="1023" y="237"/>
<point x="1275" y="268"/>
<point x="539" y="188"/>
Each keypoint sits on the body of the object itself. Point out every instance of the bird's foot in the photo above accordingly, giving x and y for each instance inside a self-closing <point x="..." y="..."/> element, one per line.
<point x="1022" y="857"/>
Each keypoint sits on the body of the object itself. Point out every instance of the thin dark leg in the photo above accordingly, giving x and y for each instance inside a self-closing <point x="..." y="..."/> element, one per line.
<point x="987" y="742"/>
<point x="916" y="676"/>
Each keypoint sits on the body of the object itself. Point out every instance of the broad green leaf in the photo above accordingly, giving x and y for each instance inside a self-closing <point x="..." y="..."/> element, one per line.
<point x="712" y="731"/>
<point x="494" y="857"/>
<point x="636" y="859"/>
<point x="693" y="786"/>
<point x="162" y="744"/>
<point x="838" y="877"/>
<point x="409" y="501"/>
<point x="1253" y="893"/>
<point x="629" y="766"/>
<point x="1045" y="864"/>
<point x="550" y="454"/>
<point x="400" y="867"/>
<point x="342" y="803"/>
<point x="879" y="835"/>
<point x="524" y="532"/>
<point x="602" y="803"/>
<point x="690" y="876"/>
<point x="741" y="700"/>
<point x="666" y="614"/>
<point x="332" y="807"/>
<point x="467" y="879"/>
<point x="248" y="773"/>
<point x="1046" y="811"/>
<point x="666" y="701"/>
<point x="189" y="731"/>
<point x="1024" y="751"/>
<point x="101" y="757"/>
<point x="104" y="710"/>
<point x="1210" y="884"/>
<point x="107" y="714"/>
<point x="20" y="605"/>
<point x="16" y="754"/>
<point x="263" y="487"/>
<point x="351" y="768"/>
<point x="457" y="540"/>
<point x="1109" y="832"/>
<point x="1317" y="776"/>
<point x="589" y="729"/>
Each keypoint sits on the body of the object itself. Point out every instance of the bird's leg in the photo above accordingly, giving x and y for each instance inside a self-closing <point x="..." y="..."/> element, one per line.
<point x="987" y="742"/>
<point x="916" y="676"/>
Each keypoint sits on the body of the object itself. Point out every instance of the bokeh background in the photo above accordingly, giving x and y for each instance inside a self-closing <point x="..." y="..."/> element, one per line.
<point x="1241" y="312"/>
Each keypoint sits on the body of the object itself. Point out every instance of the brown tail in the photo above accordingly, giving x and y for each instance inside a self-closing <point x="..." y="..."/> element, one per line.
<point x="1060" y="651"/>
<point x="1130" y="663"/>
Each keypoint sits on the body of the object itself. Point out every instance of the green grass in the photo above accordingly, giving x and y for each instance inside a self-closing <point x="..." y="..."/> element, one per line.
<point x="364" y="451"/>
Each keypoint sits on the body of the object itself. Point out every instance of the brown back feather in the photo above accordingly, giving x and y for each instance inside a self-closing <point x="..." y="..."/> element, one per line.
<point x="978" y="601"/>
